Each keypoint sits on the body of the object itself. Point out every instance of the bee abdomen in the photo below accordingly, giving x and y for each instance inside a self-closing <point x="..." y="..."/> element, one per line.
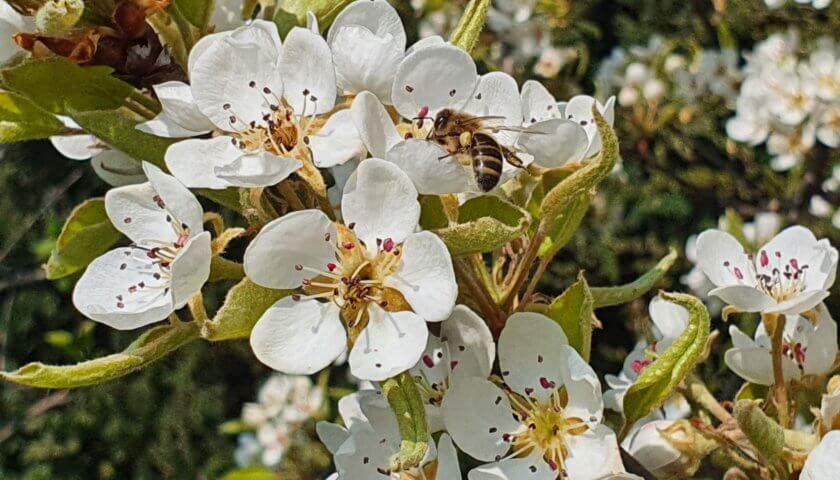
<point x="487" y="160"/>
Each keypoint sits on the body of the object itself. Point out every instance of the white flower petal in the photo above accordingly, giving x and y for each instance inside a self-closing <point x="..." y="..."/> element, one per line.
<point x="305" y="238"/>
<point x="431" y="168"/>
<point x="374" y="125"/>
<point x="164" y="126"/>
<point x="477" y="414"/>
<point x="194" y="161"/>
<point x="77" y="147"/>
<point x="469" y="337"/>
<point x="378" y="16"/>
<point x="365" y="62"/>
<point x="190" y="269"/>
<point x="822" y="346"/>
<point x="755" y="365"/>
<point x="176" y="198"/>
<point x="497" y="94"/>
<point x="579" y="109"/>
<point x="801" y="303"/>
<point x="582" y="386"/>
<point x="382" y="201"/>
<point x="670" y="319"/>
<point x="425" y="277"/>
<point x="824" y="461"/>
<point x="362" y="455"/>
<point x="740" y="339"/>
<point x="260" y="170"/>
<point x="798" y="246"/>
<point x="435" y="77"/>
<point x="337" y="142"/>
<point x="391" y="343"/>
<point x="308" y="72"/>
<point x="299" y="337"/>
<point x="744" y="297"/>
<point x="531" y="354"/>
<point x="532" y="467"/>
<point x="594" y="455"/>
<point x="117" y="168"/>
<point x="554" y="143"/>
<point x="722" y="257"/>
<point x="538" y="104"/>
<point x="109" y="290"/>
<point x="176" y="99"/>
<point x="448" y="467"/>
<point x="331" y="435"/>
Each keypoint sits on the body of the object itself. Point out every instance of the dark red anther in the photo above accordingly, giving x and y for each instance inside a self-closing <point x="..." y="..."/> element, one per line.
<point x="388" y="244"/>
<point x="765" y="259"/>
<point x="348" y="245"/>
<point x="331" y="266"/>
<point x="298" y="267"/>
<point x="427" y="360"/>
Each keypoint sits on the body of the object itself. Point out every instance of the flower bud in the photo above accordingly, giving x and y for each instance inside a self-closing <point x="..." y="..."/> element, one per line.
<point x="58" y="16"/>
<point x="654" y="90"/>
<point x="628" y="96"/>
<point x="636" y="73"/>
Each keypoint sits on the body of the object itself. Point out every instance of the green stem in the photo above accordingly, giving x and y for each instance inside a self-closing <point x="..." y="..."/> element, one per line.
<point x="146" y="102"/>
<point x="779" y="390"/>
<point x="697" y="391"/>
<point x="470" y="25"/>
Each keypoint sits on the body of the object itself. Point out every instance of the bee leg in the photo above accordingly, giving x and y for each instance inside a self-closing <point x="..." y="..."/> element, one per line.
<point x="514" y="160"/>
<point x="445" y="156"/>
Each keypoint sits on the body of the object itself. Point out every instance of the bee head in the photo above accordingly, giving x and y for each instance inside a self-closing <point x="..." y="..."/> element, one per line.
<point x="442" y="119"/>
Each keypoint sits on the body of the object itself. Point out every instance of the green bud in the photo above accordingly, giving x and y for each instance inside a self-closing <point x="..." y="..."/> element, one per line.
<point x="58" y="16"/>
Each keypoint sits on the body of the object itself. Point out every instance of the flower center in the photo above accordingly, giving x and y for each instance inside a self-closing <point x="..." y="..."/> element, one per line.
<point x="795" y="351"/>
<point x="782" y="280"/>
<point x="546" y="428"/>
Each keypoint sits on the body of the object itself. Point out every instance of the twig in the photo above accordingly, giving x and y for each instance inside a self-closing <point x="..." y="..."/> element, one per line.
<point x="523" y="268"/>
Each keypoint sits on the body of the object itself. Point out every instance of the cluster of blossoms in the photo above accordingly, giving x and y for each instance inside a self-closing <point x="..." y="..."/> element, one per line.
<point x="789" y="100"/>
<point x="284" y="404"/>
<point x="822" y="205"/>
<point x="656" y="72"/>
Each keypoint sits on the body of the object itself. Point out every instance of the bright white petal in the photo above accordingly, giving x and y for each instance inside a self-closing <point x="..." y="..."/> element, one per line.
<point x="531" y="467"/>
<point x="554" y="143"/>
<point x="299" y="337"/>
<point x="391" y="343"/>
<point x="822" y="346"/>
<point x="308" y="72"/>
<point x="431" y="168"/>
<point x="194" y="161"/>
<point x="467" y="335"/>
<point x="745" y="297"/>
<point x="497" y="94"/>
<point x="123" y="289"/>
<point x="117" y="168"/>
<point x="594" y="455"/>
<point x="425" y="277"/>
<point x="754" y="365"/>
<point x="176" y="199"/>
<point x="382" y="201"/>
<point x="331" y="435"/>
<point x="378" y="16"/>
<point x="435" y="77"/>
<point x="740" y="339"/>
<point x="374" y="125"/>
<point x="448" y="467"/>
<point x="164" y="126"/>
<point x="305" y="239"/>
<point x="531" y="354"/>
<point x="670" y="319"/>
<point x="477" y="414"/>
<point x="337" y="142"/>
<point x="538" y="104"/>
<point x="801" y="303"/>
<point x="824" y="461"/>
<point x="260" y="170"/>
<point x="365" y="62"/>
<point x="723" y="259"/>
<point x="177" y="102"/>
<point x="190" y="269"/>
<point x="582" y="386"/>
<point x="77" y="147"/>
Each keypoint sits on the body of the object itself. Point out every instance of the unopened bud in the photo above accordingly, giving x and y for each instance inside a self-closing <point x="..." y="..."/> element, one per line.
<point x="58" y="16"/>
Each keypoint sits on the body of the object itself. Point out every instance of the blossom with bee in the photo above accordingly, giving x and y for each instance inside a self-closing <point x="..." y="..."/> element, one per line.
<point x="168" y="261"/>
<point x="371" y="282"/>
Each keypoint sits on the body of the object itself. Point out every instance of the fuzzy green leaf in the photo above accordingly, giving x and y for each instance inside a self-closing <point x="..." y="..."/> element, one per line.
<point x="609" y="296"/>
<point x="764" y="433"/>
<point x="659" y="380"/>
<point x="117" y="129"/>
<point x="432" y="213"/>
<point x="404" y="399"/>
<point x="292" y="13"/>
<point x="573" y="311"/>
<point x="252" y="473"/>
<point x="87" y="234"/>
<point x="244" y="305"/>
<point x="21" y="119"/>
<point x="59" y="86"/>
<point x="565" y="226"/>
<point x="152" y="345"/>
<point x="197" y="12"/>
<point x="470" y="25"/>
<point x="485" y="224"/>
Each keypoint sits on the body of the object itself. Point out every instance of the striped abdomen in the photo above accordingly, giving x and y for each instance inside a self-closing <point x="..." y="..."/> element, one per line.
<point x="487" y="160"/>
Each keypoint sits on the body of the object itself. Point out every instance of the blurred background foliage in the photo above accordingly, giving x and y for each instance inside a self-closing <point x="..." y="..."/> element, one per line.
<point x="679" y="175"/>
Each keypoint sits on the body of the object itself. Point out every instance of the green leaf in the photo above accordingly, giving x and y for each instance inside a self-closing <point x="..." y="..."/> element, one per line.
<point x="87" y="234"/>
<point x="432" y="213"/>
<point x="223" y="269"/>
<point x="573" y="311"/>
<point x="609" y="296"/>
<point x="152" y="345"/>
<point x="569" y="192"/>
<point x="565" y="226"/>
<point x="404" y="399"/>
<point x="21" y="119"/>
<point x="59" y="86"/>
<point x="764" y="433"/>
<point x="292" y="13"/>
<point x="752" y="391"/>
<point x="252" y="473"/>
<point x="659" y="380"/>
<point x="470" y="25"/>
<point x="244" y="305"/>
<point x="117" y="129"/>
<point x="485" y="224"/>
<point x="197" y="12"/>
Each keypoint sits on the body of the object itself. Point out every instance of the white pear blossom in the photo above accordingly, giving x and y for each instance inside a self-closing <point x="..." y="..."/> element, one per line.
<point x="808" y="348"/>
<point x="653" y="450"/>
<point x="363" y="447"/>
<point x="546" y="423"/>
<point x="790" y="274"/>
<point x="267" y="102"/>
<point x="372" y="277"/>
<point x="112" y="166"/>
<point x="284" y="404"/>
<point x="463" y="349"/>
<point x="824" y="461"/>
<point x="670" y="321"/>
<point x="167" y="262"/>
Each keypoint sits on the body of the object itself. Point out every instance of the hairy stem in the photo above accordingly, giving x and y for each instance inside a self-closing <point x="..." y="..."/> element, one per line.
<point x="779" y="391"/>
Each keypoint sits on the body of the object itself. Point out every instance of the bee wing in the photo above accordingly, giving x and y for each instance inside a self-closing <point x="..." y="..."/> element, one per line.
<point x="505" y="128"/>
<point x="485" y="118"/>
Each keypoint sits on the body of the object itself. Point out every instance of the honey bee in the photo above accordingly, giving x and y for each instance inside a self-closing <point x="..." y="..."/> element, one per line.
<point x="471" y="137"/>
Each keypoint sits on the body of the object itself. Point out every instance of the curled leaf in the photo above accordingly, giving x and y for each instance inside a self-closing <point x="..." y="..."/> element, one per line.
<point x="659" y="380"/>
<point x="244" y="305"/>
<point x="573" y="311"/>
<point x="767" y="436"/>
<point x="470" y="25"/>
<point x="609" y="296"/>
<point x="404" y="399"/>
<point x="152" y="345"/>
<point x="87" y="234"/>
<point x="485" y="224"/>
